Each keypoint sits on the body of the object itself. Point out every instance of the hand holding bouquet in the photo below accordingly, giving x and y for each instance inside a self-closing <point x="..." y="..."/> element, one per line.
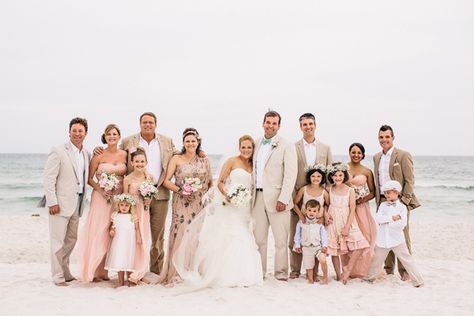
<point x="147" y="191"/>
<point x="191" y="185"/>
<point x="240" y="196"/>
<point x="108" y="182"/>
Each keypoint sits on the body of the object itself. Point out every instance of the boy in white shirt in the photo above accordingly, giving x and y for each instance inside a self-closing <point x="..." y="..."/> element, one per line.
<point x="311" y="240"/>
<point x="392" y="218"/>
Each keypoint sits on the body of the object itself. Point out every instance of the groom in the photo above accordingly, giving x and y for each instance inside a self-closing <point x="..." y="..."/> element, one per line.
<point x="275" y="169"/>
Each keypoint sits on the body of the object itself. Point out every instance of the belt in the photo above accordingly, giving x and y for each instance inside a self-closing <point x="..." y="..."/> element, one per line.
<point x="259" y="189"/>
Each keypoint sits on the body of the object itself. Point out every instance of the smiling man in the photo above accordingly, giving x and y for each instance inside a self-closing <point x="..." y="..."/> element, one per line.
<point x="275" y="175"/>
<point x="310" y="151"/>
<point x="64" y="182"/>
<point x="395" y="164"/>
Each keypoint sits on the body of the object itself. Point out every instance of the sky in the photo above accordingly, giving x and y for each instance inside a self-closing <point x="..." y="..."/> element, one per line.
<point x="220" y="65"/>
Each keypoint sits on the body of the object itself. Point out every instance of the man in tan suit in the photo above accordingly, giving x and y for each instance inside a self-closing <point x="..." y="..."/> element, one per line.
<point x="395" y="164"/>
<point x="309" y="151"/>
<point x="64" y="181"/>
<point x="274" y="172"/>
<point x="159" y="150"/>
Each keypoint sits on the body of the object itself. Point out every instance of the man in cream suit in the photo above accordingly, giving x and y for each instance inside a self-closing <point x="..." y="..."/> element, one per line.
<point x="64" y="181"/>
<point x="309" y="151"/>
<point x="395" y="164"/>
<point x="159" y="150"/>
<point x="274" y="173"/>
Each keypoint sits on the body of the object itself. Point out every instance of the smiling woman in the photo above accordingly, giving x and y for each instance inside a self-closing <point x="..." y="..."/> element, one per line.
<point x="94" y="236"/>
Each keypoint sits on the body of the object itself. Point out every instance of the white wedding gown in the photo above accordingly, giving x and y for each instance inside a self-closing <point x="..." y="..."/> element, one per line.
<point x="226" y="253"/>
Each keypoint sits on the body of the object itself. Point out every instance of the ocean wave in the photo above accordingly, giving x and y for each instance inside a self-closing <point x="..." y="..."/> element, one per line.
<point x="21" y="186"/>
<point x="447" y="187"/>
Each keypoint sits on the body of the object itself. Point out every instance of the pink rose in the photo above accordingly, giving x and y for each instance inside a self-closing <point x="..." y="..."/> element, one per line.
<point x="187" y="189"/>
<point x="131" y="150"/>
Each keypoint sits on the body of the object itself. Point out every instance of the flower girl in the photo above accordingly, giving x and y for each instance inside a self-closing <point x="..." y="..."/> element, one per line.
<point x="125" y="234"/>
<point x="344" y="236"/>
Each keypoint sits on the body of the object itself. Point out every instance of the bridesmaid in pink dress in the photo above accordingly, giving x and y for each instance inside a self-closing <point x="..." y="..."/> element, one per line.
<point x="362" y="180"/>
<point x="131" y="185"/>
<point x="94" y="236"/>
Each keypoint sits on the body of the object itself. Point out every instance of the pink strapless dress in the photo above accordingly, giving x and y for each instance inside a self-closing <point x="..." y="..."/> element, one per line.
<point x="368" y="227"/>
<point x="94" y="238"/>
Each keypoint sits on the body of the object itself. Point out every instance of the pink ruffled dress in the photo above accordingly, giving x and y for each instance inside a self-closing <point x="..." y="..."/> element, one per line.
<point x="339" y="211"/>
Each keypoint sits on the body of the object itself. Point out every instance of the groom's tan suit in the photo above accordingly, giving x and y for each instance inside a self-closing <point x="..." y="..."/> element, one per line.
<point x="278" y="180"/>
<point x="323" y="156"/>
<point x="401" y="170"/>
<point x="61" y="181"/>
<point x="159" y="206"/>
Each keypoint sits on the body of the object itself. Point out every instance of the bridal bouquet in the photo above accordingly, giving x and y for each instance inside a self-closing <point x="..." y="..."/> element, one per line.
<point x="147" y="191"/>
<point x="361" y="191"/>
<point x="240" y="196"/>
<point x="108" y="182"/>
<point x="191" y="185"/>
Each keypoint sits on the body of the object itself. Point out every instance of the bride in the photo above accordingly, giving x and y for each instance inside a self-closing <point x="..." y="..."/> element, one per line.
<point x="226" y="253"/>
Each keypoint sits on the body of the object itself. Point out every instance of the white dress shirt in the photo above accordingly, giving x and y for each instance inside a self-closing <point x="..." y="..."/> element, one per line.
<point x="80" y="165"/>
<point x="390" y="232"/>
<point x="262" y="154"/>
<point x="384" y="168"/>
<point x="310" y="152"/>
<point x="153" y="155"/>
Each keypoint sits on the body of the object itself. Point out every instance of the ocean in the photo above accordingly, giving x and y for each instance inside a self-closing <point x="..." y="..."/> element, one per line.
<point x="444" y="185"/>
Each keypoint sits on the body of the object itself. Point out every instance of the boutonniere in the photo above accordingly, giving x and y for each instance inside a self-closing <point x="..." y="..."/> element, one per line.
<point x="275" y="145"/>
<point x="131" y="150"/>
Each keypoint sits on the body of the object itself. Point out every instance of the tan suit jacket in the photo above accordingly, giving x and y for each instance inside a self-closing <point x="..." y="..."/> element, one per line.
<point x="167" y="150"/>
<point x="61" y="179"/>
<point x="323" y="156"/>
<point x="401" y="170"/>
<point x="279" y="174"/>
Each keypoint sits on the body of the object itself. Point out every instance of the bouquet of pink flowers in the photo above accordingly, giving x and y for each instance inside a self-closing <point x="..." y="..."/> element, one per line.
<point x="108" y="182"/>
<point x="191" y="185"/>
<point x="148" y="191"/>
<point x="361" y="191"/>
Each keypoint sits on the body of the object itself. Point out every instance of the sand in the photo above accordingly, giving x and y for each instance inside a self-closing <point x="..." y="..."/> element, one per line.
<point x="444" y="253"/>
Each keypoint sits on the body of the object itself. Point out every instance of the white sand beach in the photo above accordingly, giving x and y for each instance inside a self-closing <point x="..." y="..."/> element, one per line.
<point x="444" y="252"/>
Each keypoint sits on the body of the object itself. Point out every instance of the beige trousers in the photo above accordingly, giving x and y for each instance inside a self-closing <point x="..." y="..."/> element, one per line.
<point x="402" y="253"/>
<point x="63" y="237"/>
<point x="158" y="213"/>
<point x="280" y="224"/>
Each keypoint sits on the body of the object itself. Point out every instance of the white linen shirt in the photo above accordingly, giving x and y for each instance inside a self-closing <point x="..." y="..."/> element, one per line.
<point x="390" y="232"/>
<point x="310" y="152"/>
<point x="153" y="156"/>
<point x="262" y="154"/>
<point x="384" y="168"/>
<point x="80" y="165"/>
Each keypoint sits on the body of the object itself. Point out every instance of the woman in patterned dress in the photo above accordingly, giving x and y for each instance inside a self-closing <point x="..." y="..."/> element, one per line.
<point x="185" y="207"/>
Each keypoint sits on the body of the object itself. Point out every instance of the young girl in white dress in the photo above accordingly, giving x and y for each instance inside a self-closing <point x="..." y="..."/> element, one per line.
<point x="314" y="190"/>
<point x="125" y="234"/>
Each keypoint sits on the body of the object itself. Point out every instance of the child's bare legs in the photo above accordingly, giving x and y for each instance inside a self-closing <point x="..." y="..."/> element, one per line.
<point x="130" y="283"/>
<point x="336" y="262"/>
<point x="315" y="270"/>
<point x="354" y="256"/>
<point x="310" y="276"/>
<point x="121" y="275"/>
<point x="324" y="267"/>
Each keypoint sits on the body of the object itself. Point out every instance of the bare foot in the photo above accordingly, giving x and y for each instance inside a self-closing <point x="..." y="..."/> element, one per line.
<point x="344" y="280"/>
<point x="325" y="280"/>
<point x="61" y="284"/>
<point x="405" y="277"/>
<point x="131" y="283"/>
<point x="71" y="279"/>
<point x="96" y="280"/>
<point x="310" y="281"/>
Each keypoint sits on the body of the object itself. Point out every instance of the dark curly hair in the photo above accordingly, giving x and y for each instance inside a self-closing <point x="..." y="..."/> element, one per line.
<point x="311" y="172"/>
<point x="331" y="174"/>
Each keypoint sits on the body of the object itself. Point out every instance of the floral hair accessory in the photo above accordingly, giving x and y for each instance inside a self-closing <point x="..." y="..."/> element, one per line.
<point x="127" y="198"/>
<point x="337" y="167"/>
<point x="131" y="150"/>
<point x="318" y="166"/>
